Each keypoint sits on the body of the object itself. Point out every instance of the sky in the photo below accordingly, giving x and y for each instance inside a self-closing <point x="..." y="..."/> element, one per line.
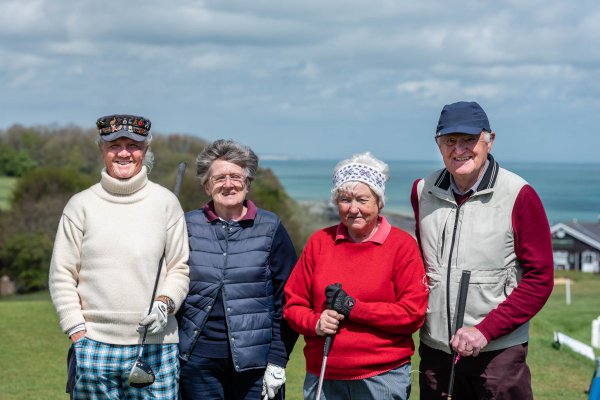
<point x="312" y="78"/>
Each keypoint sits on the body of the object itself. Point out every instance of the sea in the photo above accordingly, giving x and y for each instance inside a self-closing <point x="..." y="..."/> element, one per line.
<point x="569" y="191"/>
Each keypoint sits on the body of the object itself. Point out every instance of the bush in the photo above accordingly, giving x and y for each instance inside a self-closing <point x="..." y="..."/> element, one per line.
<point x="26" y="260"/>
<point x="38" y="201"/>
<point x="14" y="163"/>
<point x="49" y="182"/>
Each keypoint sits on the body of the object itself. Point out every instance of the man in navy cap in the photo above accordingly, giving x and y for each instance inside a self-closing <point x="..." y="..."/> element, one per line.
<point x="475" y="216"/>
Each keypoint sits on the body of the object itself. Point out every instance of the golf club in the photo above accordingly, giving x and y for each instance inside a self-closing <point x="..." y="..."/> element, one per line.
<point x="460" y="314"/>
<point x="179" y="179"/>
<point x="141" y="375"/>
<point x="326" y="348"/>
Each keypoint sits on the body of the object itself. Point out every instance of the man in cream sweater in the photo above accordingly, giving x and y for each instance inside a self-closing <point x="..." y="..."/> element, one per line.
<point x="108" y="246"/>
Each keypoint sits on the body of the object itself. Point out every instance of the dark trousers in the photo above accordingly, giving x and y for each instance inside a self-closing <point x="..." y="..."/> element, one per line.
<point x="501" y="374"/>
<point x="216" y="379"/>
<point x="71" y="369"/>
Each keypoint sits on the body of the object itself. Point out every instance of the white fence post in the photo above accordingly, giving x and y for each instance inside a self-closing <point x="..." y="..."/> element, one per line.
<point x="596" y="333"/>
<point x="568" y="291"/>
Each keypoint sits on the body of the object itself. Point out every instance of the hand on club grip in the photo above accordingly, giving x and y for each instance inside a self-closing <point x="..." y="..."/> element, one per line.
<point x="156" y="320"/>
<point x="338" y="300"/>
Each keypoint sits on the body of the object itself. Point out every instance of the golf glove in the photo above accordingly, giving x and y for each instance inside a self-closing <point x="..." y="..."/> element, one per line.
<point x="273" y="381"/>
<point x="338" y="300"/>
<point x="156" y="320"/>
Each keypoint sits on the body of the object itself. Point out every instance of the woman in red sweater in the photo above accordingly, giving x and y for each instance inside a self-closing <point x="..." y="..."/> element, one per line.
<point x="380" y="303"/>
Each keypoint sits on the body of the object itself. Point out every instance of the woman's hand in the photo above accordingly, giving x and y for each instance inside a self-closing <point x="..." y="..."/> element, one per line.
<point x="328" y="323"/>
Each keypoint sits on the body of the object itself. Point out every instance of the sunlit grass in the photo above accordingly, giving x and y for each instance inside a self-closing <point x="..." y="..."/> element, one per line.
<point x="33" y="350"/>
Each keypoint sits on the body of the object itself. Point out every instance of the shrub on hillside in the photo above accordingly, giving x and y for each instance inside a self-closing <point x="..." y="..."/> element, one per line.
<point x="37" y="204"/>
<point x="49" y="182"/>
<point x="26" y="260"/>
<point x="14" y="163"/>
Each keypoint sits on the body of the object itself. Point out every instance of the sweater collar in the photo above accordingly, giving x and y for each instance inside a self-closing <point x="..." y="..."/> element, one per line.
<point x="379" y="237"/>
<point x="124" y="187"/>
<point x="211" y="215"/>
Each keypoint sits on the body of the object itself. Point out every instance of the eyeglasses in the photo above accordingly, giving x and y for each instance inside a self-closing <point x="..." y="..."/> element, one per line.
<point x="452" y="141"/>
<point x="236" y="179"/>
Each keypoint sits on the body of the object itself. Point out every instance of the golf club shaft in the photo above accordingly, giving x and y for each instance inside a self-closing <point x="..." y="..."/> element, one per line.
<point x="180" y="172"/>
<point x="321" y="378"/>
<point x="326" y="348"/>
<point x="143" y="341"/>
<point x="179" y="179"/>
<point x="460" y="314"/>
<point x="451" y="383"/>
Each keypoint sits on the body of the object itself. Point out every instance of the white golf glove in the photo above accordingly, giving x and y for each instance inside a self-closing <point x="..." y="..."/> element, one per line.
<point x="273" y="381"/>
<point x="156" y="320"/>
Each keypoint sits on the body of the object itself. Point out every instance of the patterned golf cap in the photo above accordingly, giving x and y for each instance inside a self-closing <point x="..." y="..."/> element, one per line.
<point x="112" y="127"/>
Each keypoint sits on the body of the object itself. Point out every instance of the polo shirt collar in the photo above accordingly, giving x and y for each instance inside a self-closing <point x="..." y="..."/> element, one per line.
<point x="379" y="237"/>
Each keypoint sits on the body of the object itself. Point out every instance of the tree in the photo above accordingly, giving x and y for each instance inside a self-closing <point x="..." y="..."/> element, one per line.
<point x="14" y="163"/>
<point x="26" y="260"/>
<point x="49" y="182"/>
<point x="38" y="201"/>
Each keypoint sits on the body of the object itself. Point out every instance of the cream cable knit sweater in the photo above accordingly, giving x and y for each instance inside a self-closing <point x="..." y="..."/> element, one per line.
<point x="106" y="253"/>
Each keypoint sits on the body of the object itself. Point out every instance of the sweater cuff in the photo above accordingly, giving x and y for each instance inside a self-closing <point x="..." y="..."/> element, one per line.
<point x="277" y="360"/>
<point x="78" y="328"/>
<point x="482" y="328"/>
<point x="356" y="309"/>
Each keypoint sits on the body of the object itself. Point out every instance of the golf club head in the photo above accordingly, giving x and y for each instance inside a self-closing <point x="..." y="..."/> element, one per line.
<point x="141" y="375"/>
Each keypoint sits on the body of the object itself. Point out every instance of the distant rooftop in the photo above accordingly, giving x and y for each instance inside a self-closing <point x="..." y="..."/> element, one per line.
<point x="588" y="232"/>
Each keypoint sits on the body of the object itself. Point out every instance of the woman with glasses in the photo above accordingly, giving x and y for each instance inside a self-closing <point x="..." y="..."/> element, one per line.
<point x="234" y="343"/>
<point x="110" y="241"/>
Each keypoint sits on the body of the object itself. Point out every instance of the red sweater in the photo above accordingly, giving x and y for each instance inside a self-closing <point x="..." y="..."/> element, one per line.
<point x="387" y="279"/>
<point x="533" y="248"/>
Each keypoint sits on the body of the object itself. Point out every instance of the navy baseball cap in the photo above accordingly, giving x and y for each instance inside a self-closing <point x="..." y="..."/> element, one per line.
<point x="462" y="117"/>
<point x="112" y="127"/>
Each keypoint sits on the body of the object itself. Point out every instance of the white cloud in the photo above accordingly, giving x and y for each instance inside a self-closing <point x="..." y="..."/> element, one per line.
<point x="309" y="70"/>
<point x="283" y="64"/>
<point x="22" y="79"/>
<point x="213" y="61"/>
<point x="22" y="18"/>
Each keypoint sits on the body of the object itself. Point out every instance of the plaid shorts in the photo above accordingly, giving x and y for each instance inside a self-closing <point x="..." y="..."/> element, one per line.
<point x="102" y="371"/>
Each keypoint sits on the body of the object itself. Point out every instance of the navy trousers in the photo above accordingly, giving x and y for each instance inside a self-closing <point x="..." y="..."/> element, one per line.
<point x="217" y="379"/>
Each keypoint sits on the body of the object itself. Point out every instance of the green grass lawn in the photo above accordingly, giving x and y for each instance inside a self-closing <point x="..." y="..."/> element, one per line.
<point x="6" y="188"/>
<point x="33" y="350"/>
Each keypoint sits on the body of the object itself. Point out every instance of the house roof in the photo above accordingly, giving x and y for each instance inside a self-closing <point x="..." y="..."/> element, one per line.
<point x="587" y="232"/>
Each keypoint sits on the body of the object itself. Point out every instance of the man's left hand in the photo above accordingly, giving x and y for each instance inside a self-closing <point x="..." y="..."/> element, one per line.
<point x="273" y="381"/>
<point x="468" y="342"/>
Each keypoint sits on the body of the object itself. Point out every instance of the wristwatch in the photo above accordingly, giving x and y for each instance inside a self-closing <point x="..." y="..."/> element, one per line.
<point x="170" y="303"/>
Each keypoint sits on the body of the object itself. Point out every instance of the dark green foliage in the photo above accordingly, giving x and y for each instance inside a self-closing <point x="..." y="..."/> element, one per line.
<point x="49" y="182"/>
<point x="26" y="260"/>
<point x="28" y="230"/>
<point x="14" y="163"/>
<point x="169" y="151"/>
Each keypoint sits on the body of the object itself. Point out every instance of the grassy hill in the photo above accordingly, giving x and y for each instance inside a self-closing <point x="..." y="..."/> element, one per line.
<point x="7" y="185"/>
<point x="33" y="350"/>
